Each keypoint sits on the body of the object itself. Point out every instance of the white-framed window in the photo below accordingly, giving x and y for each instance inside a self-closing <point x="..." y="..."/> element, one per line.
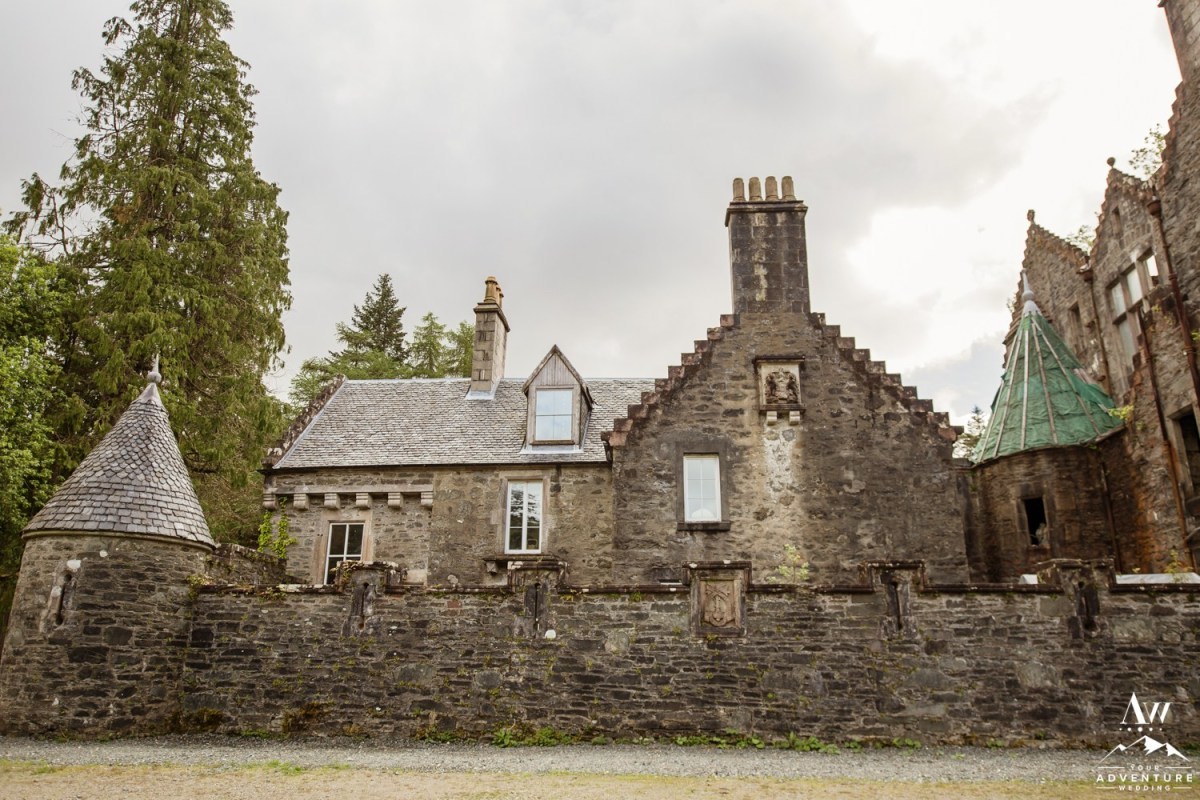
<point x="702" y="488"/>
<point x="523" y="523"/>
<point x="345" y="544"/>
<point x="553" y="415"/>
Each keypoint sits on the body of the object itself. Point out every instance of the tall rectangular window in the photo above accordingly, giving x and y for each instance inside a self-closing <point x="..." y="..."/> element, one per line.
<point x="553" y="415"/>
<point x="345" y="544"/>
<point x="1122" y="297"/>
<point x="702" y="488"/>
<point x="523" y="532"/>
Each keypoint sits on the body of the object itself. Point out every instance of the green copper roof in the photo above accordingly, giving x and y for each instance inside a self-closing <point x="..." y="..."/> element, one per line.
<point x="1044" y="399"/>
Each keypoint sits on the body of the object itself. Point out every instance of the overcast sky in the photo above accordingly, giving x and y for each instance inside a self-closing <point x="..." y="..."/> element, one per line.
<point x="583" y="152"/>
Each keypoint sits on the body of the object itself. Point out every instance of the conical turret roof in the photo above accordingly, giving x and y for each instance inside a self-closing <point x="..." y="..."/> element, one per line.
<point x="134" y="481"/>
<point x="1045" y="398"/>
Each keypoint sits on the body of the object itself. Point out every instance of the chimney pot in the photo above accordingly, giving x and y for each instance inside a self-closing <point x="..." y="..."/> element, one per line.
<point x="768" y="251"/>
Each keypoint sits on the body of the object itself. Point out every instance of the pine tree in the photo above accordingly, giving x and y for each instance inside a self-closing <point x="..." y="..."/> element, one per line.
<point x="373" y="346"/>
<point x="965" y="445"/>
<point x="175" y="245"/>
<point x="376" y="325"/>
<point x="461" y="350"/>
<point x="427" y="354"/>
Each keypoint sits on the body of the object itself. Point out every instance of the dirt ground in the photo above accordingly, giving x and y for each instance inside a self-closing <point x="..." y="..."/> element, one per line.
<point x="34" y="781"/>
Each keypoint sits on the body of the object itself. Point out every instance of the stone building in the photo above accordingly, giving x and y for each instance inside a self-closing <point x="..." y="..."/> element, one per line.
<point x="774" y="538"/>
<point x="1127" y="310"/>
<point x="776" y="431"/>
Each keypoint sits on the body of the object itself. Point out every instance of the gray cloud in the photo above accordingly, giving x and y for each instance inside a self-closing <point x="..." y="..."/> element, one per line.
<point x="581" y="152"/>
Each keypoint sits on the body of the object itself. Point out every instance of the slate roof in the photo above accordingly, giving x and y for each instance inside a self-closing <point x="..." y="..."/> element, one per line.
<point x="419" y="422"/>
<point x="134" y="481"/>
<point x="1045" y="399"/>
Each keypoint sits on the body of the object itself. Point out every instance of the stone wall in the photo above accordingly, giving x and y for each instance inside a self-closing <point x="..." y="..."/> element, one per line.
<point x="444" y="525"/>
<point x="1070" y="482"/>
<point x="890" y="658"/>
<point x="98" y="635"/>
<point x="234" y="564"/>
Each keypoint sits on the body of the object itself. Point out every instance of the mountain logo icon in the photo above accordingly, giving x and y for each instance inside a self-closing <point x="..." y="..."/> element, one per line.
<point x="1148" y="746"/>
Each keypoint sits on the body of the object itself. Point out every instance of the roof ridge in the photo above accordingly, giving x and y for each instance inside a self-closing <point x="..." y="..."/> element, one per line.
<point x="303" y="420"/>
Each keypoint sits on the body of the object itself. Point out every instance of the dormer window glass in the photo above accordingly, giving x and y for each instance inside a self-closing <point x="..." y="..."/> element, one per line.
<point x="553" y="415"/>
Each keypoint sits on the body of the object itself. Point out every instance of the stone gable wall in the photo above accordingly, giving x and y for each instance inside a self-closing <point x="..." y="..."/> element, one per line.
<point x="858" y="474"/>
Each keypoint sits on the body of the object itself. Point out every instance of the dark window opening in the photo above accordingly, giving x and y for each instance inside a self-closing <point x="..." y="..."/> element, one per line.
<point x="64" y="599"/>
<point x="1075" y="327"/>
<point x="1191" y="448"/>
<point x="1035" y="517"/>
<point x="893" y="598"/>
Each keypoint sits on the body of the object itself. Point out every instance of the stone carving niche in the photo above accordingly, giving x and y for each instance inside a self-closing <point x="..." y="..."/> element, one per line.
<point x="779" y="390"/>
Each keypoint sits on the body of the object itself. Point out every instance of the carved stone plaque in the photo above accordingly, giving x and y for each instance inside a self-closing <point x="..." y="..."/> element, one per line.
<point x="718" y="599"/>
<point x="718" y="605"/>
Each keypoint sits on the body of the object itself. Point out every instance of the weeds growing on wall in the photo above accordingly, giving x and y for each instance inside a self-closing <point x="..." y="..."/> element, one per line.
<point x="275" y="538"/>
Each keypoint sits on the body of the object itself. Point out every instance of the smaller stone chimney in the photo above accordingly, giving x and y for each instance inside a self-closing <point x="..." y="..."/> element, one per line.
<point x="767" y="249"/>
<point x="491" y="336"/>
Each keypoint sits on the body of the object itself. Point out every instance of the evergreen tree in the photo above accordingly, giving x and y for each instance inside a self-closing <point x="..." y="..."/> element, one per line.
<point x="30" y="304"/>
<point x="427" y="354"/>
<point x="175" y="245"/>
<point x="965" y="445"/>
<point x="316" y="372"/>
<point x="461" y="350"/>
<point x="373" y="346"/>
<point x="376" y="325"/>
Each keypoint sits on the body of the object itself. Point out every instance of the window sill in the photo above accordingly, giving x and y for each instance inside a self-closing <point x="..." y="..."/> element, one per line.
<point x="509" y="561"/>
<point x="703" y="526"/>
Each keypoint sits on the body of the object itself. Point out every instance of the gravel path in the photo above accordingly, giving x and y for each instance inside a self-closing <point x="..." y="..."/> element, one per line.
<point x="922" y="765"/>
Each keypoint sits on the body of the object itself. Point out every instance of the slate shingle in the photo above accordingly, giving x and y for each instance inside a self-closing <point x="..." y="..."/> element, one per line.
<point x="431" y="422"/>
<point x="134" y="481"/>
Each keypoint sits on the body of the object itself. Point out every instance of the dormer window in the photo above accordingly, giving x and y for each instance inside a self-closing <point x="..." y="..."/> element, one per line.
<point x="559" y="404"/>
<point x="554" y="416"/>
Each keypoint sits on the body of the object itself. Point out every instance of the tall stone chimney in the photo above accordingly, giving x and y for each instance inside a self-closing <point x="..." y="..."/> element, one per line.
<point x="767" y="252"/>
<point x="491" y="336"/>
<point x="1183" y="19"/>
